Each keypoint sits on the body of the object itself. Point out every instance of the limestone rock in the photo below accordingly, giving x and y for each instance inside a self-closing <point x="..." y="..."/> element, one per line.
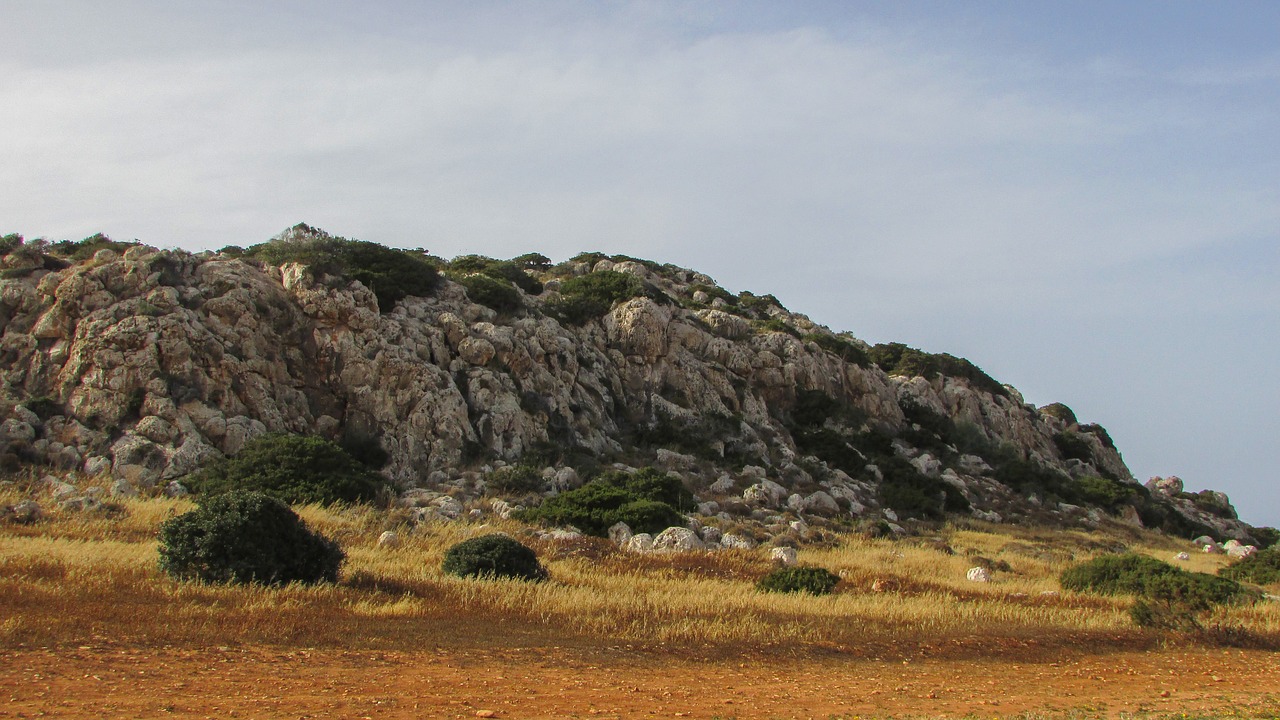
<point x="978" y="574"/>
<point x="620" y="533"/>
<point x="677" y="539"/>
<point x="785" y="556"/>
<point x="736" y="542"/>
<point x="389" y="539"/>
<point x="639" y="543"/>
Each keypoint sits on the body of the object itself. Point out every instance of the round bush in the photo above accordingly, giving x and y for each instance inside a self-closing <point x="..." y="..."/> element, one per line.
<point x="246" y="537"/>
<point x="493" y="556"/>
<point x="813" y="580"/>
<point x="297" y="469"/>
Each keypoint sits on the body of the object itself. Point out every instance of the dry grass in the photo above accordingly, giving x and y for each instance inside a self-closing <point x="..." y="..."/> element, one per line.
<point x="78" y="579"/>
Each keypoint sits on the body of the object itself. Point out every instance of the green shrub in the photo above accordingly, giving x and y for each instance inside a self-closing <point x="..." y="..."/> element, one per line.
<point x="1073" y="446"/>
<point x="1260" y="568"/>
<point x="491" y="557"/>
<point x="1060" y="411"/>
<point x="79" y="251"/>
<point x="845" y="350"/>
<point x="502" y="270"/>
<point x="533" y="261"/>
<point x="899" y="359"/>
<point x="715" y="291"/>
<point x="246" y="537"/>
<point x="776" y="325"/>
<point x="647" y="501"/>
<point x="297" y="469"/>
<point x="1166" y="597"/>
<point x="9" y="243"/>
<point x="1099" y="432"/>
<point x="586" y="297"/>
<point x="758" y="305"/>
<point x="391" y="274"/>
<point x="497" y="294"/>
<point x="1265" y="537"/>
<point x="910" y="493"/>
<point x="812" y="580"/>
<point x="1103" y="492"/>
<point x="515" y="479"/>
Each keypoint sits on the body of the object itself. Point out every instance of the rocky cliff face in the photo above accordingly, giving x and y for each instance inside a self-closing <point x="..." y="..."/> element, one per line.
<point x="147" y="363"/>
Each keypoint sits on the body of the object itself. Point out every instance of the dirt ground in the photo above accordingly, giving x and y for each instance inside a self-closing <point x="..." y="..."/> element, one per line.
<point x="578" y="682"/>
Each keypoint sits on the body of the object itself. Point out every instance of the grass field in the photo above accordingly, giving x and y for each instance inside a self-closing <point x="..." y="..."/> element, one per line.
<point x="76" y="580"/>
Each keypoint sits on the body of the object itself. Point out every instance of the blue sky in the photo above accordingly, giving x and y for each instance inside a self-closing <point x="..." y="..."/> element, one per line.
<point x="1080" y="197"/>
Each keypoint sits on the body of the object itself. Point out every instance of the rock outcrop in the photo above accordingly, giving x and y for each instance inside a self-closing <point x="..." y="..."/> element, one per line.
<point x="146" y="364"/>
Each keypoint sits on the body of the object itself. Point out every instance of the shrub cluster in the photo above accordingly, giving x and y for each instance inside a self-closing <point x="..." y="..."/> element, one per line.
<point x="391" y="274"/>
<point x="1167" y="597"/>
<point x="647" y="501"/>
<point x="515" y="480"/>
<point x="586" y="297"/>
<point x="246" y="537"/>
<point x="812" y="580"/>
<point x="845" y="350"/>
<point x="509" y="271"/>
<point x="297" y="469"/>
<point x="497" y="294"/>
<point x="492" y="557"/>
<point x="79" y="251"/>
<point x="899" y="359"/>
<point x="1260" y="568"/>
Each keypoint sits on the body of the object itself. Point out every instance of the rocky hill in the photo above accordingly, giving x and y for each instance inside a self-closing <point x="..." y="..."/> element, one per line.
<point x="147" y="364"/>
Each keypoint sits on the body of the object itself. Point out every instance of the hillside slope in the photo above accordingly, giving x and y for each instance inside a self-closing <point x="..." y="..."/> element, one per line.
<point x="149" y="363"/>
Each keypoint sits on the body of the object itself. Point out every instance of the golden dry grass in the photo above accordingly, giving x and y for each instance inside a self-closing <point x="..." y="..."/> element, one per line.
<point x="77" y="578"/>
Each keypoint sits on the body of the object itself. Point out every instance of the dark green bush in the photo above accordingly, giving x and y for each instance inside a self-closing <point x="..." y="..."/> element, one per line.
<point x="391" y="274"/>
<point x="776" y="325"/>
<point x="1103" y="492"/>
<point x="493" y="556"/>
<point x="758" y="305"/>
<point x="1266" y="537"/>
<point x="1073" y="446"/>
<point x="899" y="359"/>
<point x="845" y="350"/>
<point x="1060" y="411"/>
<point x="715" y="291"/>
<point x="79" y="251"/>
<point x="497" y="294"/>
<point x="246" y="537"/>
<point x="1260" y="568"/>
<point x="297" y="469"/>
<point x="1099" y="432"/>
<point x="9" y="243"/>
<point x="502" y="270"/>
<point x="533" y="261"/>
<point x="587" y="297"/>
<point x="647" y="501"/>
<point x="515" y="479"/>
<point x="910" y="493"/>
<point x="812" y="580"/>
<point x="1166" y="597"/>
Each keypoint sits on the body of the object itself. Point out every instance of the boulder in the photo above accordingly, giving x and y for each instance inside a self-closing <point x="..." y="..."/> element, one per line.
<point x="1242" y="551"/>
<point x="175" y="489"/>
<point x="620" y="533"/>
<point x="1171" y="485"/>
<point x="785" y="556"/>
<point x="767" y="493"/>
<point x="389" y="539"/>
<point x="677" y="539"/>
<point x="25" y="512"/>
<point x="122" y="489"/>
<point x="978" y="574"/>
<point x="736" y="542"/>
<point x="641" y="543"/>
<point x="1182" y="556"/>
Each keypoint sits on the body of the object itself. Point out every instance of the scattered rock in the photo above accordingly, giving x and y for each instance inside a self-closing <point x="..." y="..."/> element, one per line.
<point x="736" y="542"/>
<point x="1242" y="551"/>
<point x="677" y="539"/>
<point x="389" y="539"/>
<point x="979" y="574"/>
<point x="25" y="512"/>
<point x="785" y="556"/>
<point x="640" y="543"/>
<point x="1182" y="556"/>
<point x="122" y="489"/>
<point x="175" y="489"/>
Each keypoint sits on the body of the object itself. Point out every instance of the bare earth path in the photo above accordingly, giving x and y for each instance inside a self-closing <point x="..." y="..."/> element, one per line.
<point x="549" y="682"/>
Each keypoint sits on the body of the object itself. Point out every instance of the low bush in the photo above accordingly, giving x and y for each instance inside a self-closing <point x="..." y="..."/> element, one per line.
<point x="844" y="349"/>
<point x="1104" y="492"/>
<point x="491" y="557"/>
<point x="499" y="295"/>
<point x="79" y="251"/>
<point x="899" y="359"/>
<point x="1073" y="447"/>
<point x="1060" y="411"/>
<point x="1166" y="597"/>
<point x="1260" y="568"/>
<point x="587" y="297"/>
<point x="297" y="469"/>
<point x="812" y="580"/>
<point x="391" y="274"/>
<point x="1266" y="537"/>
<point x="515" y="480"/>
<point x="648" y="501"/>
<point x="246" y="537"/>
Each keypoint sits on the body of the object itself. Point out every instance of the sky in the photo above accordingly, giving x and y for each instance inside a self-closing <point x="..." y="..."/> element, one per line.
<point x="1083" y="198"/>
